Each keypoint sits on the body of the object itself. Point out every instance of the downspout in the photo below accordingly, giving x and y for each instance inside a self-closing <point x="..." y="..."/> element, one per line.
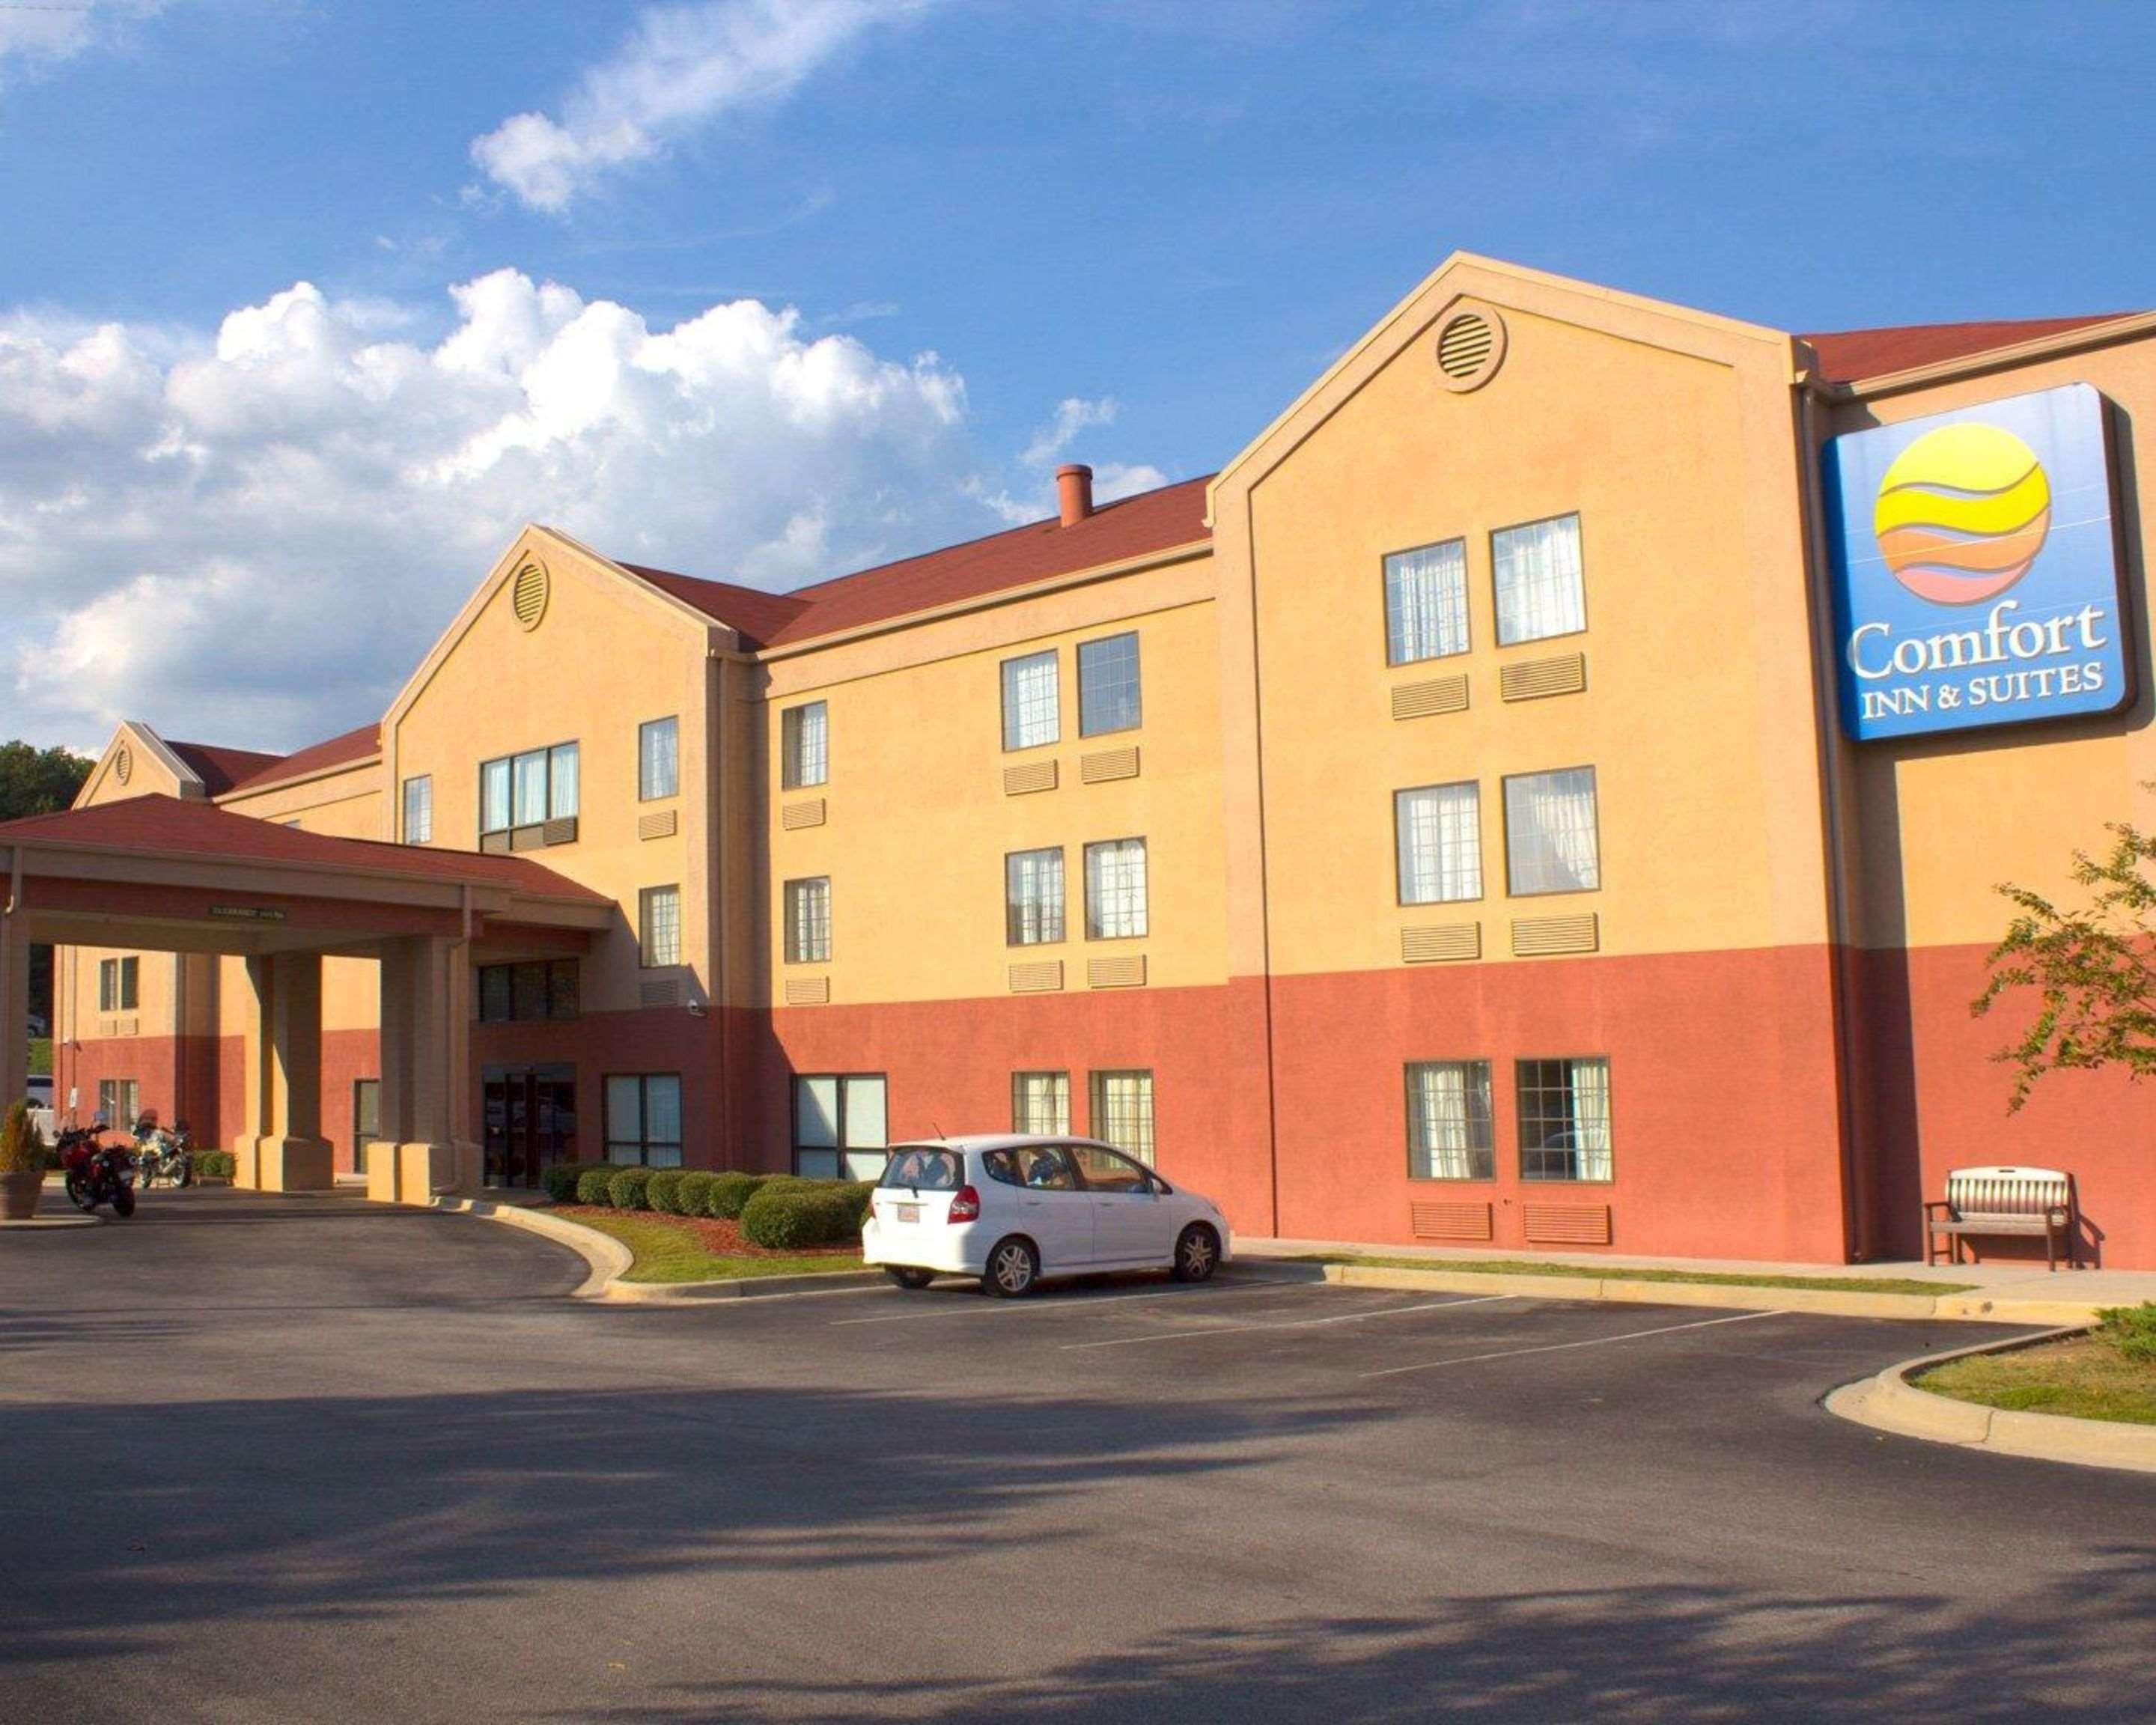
<point x="1859" y="1245"/>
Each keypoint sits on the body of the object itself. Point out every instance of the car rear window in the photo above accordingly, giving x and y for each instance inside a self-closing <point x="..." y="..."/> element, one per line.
<point x="919" y="1168"/>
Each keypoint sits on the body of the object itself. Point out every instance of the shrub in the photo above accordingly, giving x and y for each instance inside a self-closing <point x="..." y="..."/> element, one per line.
<point x="2132" y="1330"/>
<point x="662" y="1191"/>
<point x="592" y="1183"/>
<point x="729" y="1192"/>
<point x="215" y="1165"/>
<point x="20" y="1150"/>
<point x="629" y="1190"/>
<point x="790" y="1217"/>
<point x="560" y="1179"/>
<point x="694" y="1193"/>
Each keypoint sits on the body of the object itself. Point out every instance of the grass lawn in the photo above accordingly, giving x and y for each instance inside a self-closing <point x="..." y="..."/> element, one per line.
<point x="1620" y="1272"/>
<point x="680" y="1248"/>
<point x="2082" y="1376"/>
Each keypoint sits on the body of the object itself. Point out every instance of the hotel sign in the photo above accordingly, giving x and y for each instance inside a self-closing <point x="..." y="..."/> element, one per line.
<point x="1975" y="567"/>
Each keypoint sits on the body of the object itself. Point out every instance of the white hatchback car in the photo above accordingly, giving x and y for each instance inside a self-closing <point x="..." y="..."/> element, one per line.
<point x="1012" y="1208"/>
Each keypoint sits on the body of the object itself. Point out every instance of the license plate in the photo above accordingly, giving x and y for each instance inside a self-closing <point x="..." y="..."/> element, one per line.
<point x="909" y="1213"/>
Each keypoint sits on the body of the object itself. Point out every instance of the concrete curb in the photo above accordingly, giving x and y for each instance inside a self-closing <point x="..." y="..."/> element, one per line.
<point x="1965" y="1308"/>
<point x="1889" y="1402"/>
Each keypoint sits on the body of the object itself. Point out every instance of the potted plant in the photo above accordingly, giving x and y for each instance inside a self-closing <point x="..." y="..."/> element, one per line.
<point x="21" y="1166"/>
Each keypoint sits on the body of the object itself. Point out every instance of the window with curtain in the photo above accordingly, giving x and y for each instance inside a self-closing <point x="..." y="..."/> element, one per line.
<point x="525" y="790"/>
<point x="1122" y="1112"/>
<point x="1041" y="1103"/>
<point x="658" y="759"/>
<point x="419" y="809"/>
<point x="643" y="1119"/>
<point x="1540" y="589"/>
<point x="809" y="921"/>
<point x="1448" y="1129"/>
<point x="120" y="1100"/>
<point x="1564" y="1119"/>
<point x="1031" y="715"/>
<point x="1033" y="897"/>
<point x="119" y="984"/>
<point x="658" y="925"/>
<point x="494" y="801"/>
<point x="1108" y="684"/>
<point x="803" y="746"/>
<point x="841" y="1124"/>
<point x="1550" y="841"/>
<point x="1426" y="603"/>
<point x="1437" y="832"/>
<point x="1116" y="889"/>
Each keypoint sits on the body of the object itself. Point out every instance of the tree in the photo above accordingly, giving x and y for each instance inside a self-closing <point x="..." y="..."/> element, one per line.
<point x="2093" y="970"/>
<point x="35" y="781"/>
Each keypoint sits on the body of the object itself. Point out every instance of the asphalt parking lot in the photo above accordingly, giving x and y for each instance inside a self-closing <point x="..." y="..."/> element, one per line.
<point x="291" y="1459"/>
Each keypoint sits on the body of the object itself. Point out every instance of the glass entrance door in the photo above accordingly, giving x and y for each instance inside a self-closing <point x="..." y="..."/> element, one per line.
<point x="530" y="1116"/>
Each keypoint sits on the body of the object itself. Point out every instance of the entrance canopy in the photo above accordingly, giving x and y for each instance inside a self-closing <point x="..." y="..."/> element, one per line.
<point x="164" y="874"/>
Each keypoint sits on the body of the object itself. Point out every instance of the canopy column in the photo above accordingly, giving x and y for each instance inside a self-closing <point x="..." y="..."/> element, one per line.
<point x="426" y="1074"/>
<point x="294" y="1156"/>
<point x="14" y="1001"/>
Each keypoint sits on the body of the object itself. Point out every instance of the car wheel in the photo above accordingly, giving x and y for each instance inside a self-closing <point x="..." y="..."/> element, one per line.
<point x="1197" y="1254"/>
<point x="1013" y="1267"/>
<point x="909" y="1278"/>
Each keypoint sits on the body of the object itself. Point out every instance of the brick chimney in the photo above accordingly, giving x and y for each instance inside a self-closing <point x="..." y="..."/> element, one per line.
<point x="1074" y="492"/>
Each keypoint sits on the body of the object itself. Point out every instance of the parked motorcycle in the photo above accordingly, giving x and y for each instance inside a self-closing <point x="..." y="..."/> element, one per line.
<point x="166" y="1154"/>
<point x="95" y="1172"/>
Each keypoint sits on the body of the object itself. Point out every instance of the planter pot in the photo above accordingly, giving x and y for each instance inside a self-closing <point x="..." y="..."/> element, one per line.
<point x="18" y="1195"/>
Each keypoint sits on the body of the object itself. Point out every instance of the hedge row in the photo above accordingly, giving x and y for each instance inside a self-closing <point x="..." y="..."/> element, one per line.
<point x="779" y="1212"/>
<point x="215" y="1164"/>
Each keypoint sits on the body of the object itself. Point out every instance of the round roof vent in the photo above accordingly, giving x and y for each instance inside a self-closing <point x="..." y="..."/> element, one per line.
<point x="528" y="594"/>
<point x="1471" y="346"/>
<point x="123" y="764"/>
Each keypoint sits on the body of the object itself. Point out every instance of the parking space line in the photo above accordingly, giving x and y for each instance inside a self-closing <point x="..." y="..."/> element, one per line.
<point x="1300" y="1323"/>
<point x="1469" y="1359"/>
<point x="1083" y="1303"/>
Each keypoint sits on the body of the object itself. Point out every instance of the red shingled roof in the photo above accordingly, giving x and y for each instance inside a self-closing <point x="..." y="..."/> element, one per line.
<point x="167" y="824"/>
<point x="1130" y="527"/>
<point x="220" y="768"/>
<point x="337" y="751"/>
<point x="1847" y="355"/>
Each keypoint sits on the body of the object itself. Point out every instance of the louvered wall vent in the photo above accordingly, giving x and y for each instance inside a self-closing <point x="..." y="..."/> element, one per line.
<point x="661" y="824"/>
<point x="528" y="596"/>
<point x="794" y="816"/>
<point x="1109" y="763"/>
<point x="1116" y="973"/>
<point x="1044" y="977"/>
<point x="1450" y="1221"/>
<point x="660" y="991"/>
<point x="1435" y="694"/>
<point x="123" y="764"/>
<point x="1471" y="346"/>
<point x="562" y="831"/>
<point x="1567" y="1223"/>
<point x="808" y="991"/>
<point x="1536" y="937"/>
<point x="1531" y="679"/>
<point x="1437" y="941"/>
<point x="1034" y="775"/>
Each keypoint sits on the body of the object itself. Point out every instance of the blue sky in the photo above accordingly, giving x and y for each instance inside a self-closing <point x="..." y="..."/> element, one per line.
<point x="1005" y="233"/>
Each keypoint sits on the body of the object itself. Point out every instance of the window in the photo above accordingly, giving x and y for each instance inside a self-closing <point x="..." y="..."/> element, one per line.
<point x="809" y="921"/>
<point x="1108" y="684"/>
<point x="527" y="790"/>
<point x="1040" y="1102"/>
<point x="1540" y="592"/>
<point x="540" y="989"/>
<point x="1564" y="1119"/>
<point x="1033" y="897"/>
<point x="658" y="759"/>
<point x="1550" y="844"/>
<point x="419" y="809"/>
<point x="1123" y="1111"/>
<point x="1438" y="833"/>
<point x="643" y="1119"/>
<point x="1105" y="1170"/>
<point x="839" y="1120"/>
<point x="1030" y="713"/>
<point x="804" y="746"/>
<point x="924" y="1168"/>
<point x="1426" y="603"/>
<point x="118" y="983"/>
<point x="1448" y="1132"/>
<point x="1116" y="889"/>
<point x="119" y="1101"/>
<point x="659" y="925"/>
<point x="1044" y="1167"/>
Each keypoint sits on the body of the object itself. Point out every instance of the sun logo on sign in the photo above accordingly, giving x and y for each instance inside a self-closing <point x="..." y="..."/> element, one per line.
<point x="1962" y="513"/>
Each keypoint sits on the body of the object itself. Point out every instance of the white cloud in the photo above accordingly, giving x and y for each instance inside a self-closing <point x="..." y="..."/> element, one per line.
<point x="681" y="67"/>
<point x="250" y="536"/>
<point x="1074" y="416"/>
<point x="32" y="33"/>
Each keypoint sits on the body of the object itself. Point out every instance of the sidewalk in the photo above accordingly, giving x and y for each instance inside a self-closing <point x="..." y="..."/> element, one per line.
<point x="2000" y="1291"/>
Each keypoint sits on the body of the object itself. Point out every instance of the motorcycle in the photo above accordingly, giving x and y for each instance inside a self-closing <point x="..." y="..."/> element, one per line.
<point x="165" y="1155"/>
<point x="95" y="1172"/>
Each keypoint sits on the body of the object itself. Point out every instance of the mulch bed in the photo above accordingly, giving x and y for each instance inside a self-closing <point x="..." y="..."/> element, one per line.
<point x="716" y="1236"/>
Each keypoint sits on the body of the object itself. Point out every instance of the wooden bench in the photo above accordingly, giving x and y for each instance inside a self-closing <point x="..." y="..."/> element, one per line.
<point x="2006" y="1201"/>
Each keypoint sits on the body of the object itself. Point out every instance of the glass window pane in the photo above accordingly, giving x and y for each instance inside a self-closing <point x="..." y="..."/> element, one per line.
<point x="1122" y="1112"/>
<point x="805" y="747"/>
<point x="1040" y="1102"/>
<point x="1438" y="835"/>
<point x="809" y="921"/>
<point x="1108" y="684"/>
<point x="816" y="1164"/>
<point x="625" y="1112"/>
<point x="563" y="790"/>
<point x="1540" y="589"/>
<point x="1030" y="701"/>
<point x="527" y="991"/>
<point x="662" y="1109"/>
<point x="1033" y="897"/>
<point x="1550" y="839"/>
<point x="816" y="1111"/>
<point x="1116" y="889"/>
<point x="659" y="909"/>
<point x="1449" y="1124"/>
<point x="658" y="759"/>
<point x="1564" y="1119"/>
<point x="494" y="796"/>
<point x="531" y="777"/>
<point x="864" y="1114"/>
<point x="419" y="809"/>
<point x="1426" y="603"/>
<point x="561" y="989"/>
